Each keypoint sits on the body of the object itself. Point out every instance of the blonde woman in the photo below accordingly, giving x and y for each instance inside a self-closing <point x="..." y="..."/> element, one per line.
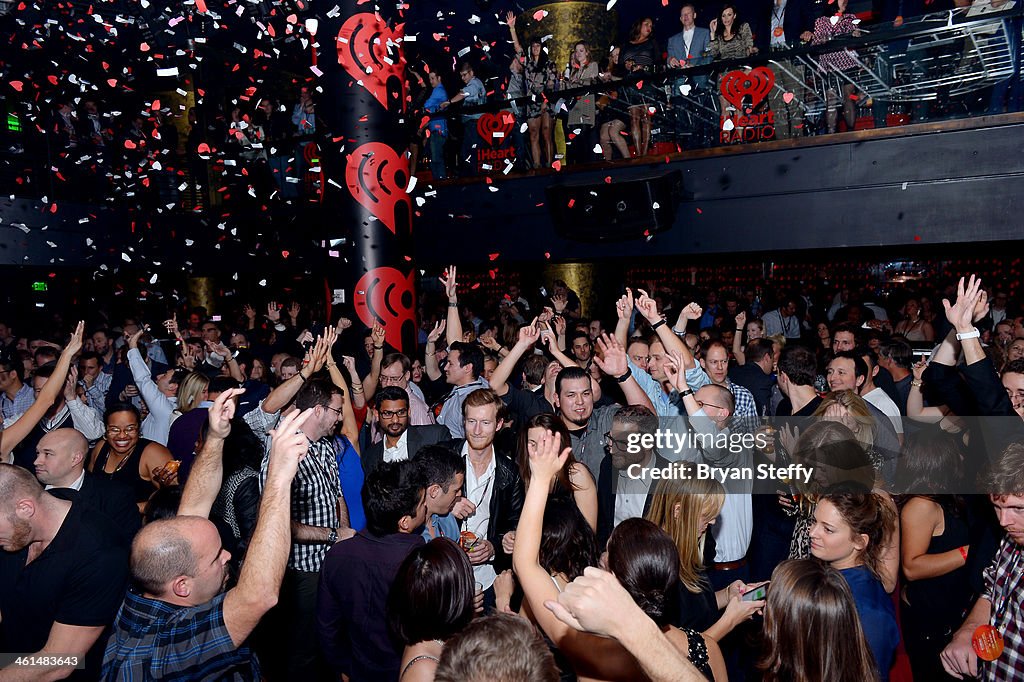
<point x="193" y="390"/>
<point x="685" y="507"/>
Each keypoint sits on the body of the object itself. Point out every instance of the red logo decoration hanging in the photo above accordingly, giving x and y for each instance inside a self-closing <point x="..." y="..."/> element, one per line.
<point x="757" y="83"/>
<point x="385" y="295"/>
<point x="371" y="52"/>
<point x="376" y="177"/>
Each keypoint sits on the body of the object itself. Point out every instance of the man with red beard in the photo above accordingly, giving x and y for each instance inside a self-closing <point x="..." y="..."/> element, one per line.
<point x="63" y="573"/>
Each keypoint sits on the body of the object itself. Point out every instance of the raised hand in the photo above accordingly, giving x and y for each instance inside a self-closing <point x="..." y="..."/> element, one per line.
<point x="615" y="362"/>
<point x="488" y="341"/>
<point x="377" y="334"/>
<point x="222" y="411"/>
<point x="171" y="326"/>
<point x="437" y="331"/>
<point x="692" y="311"/>
<point x="960" y="314"/>
<point x="673" y="366"/>
<point x="75" y="342"/>
<point x="273" y="312"/>
<point x="510" y="19"/>
<point x="71" y="385"/>
<point x="559" y="324"/>
<point x="560" y="301"/>
<point x="289" y="446"/>
<point x="741" y="321"/>
<point x="529" y="334"/>
<point x="218" y="349"/>
<point x="249" y="311"/>
<point x="448" y="282"/>
<point x="349" y="363"/>
<point x="918" y="369"/>
<point x="624" y="306"/>
<point x="188" y="356"/>
<point x="548" y="459"/>
<point x="343" y="324"/>
<point x="647" y="307"/>
<point x="133" y="340"/>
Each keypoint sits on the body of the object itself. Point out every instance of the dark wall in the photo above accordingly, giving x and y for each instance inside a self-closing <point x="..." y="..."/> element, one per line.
<point x="929" y="188"/>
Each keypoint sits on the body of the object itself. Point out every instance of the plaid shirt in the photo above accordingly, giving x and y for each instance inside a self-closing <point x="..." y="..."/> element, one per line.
<point x="745" y="418"/>
<point x="1003" y="582"/>
<point x="315" y="493"/>
<point x="17" y="406"/>
<point x="156" y="640"/>
<point x="97" y="393"/>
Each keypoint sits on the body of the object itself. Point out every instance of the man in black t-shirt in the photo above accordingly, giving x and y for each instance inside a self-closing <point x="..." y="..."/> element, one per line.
<point x="63" y="573"/>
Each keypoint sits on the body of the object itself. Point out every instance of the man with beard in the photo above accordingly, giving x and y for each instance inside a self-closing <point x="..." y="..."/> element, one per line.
<point x="574" y="400"/>
<point x="401" y="441"/>
<point x="63" y="572"/>
<point x="177" y="621"/>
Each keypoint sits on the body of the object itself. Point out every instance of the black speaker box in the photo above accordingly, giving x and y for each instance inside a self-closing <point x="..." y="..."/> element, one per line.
<point x="615" y="211"/>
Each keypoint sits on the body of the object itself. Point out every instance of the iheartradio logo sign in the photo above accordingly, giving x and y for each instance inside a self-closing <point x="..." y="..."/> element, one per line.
<point x="756" y="84"/>
<point x="496" y="129"/>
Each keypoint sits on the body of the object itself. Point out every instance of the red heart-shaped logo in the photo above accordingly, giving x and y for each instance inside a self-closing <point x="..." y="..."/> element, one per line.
<point x="376" y="177"/>
<point x="496" y="129"/>
<point x="737" y="84"/>
<point x="371" y="53"/>
<point x="385" y="295"/>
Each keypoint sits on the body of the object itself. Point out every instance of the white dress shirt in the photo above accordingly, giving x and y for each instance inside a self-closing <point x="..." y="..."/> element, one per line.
<point x="479" y="491"/>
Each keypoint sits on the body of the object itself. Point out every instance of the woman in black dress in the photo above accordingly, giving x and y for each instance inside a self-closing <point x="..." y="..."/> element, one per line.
<point x="641" y="54"/>
<point x="124" y="455"/>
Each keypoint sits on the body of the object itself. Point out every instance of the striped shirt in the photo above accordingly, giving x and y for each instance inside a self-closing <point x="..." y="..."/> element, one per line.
<point x="156" y="640"/>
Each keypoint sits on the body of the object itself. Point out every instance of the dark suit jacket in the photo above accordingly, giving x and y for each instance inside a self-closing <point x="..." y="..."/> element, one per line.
<point x="419" y="436"/>
<point x="116" y="500"/>
<point x="606" y="497"/>
<point x="506" y="500"/>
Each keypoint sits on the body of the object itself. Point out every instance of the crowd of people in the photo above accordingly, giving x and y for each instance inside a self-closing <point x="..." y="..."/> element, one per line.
<point x="249" y="501"/>
<point x="689" y="111"/>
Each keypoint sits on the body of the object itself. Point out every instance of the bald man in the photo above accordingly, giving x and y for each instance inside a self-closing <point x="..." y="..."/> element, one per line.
<point x="60" y="466"/>
<point x="63" y="573"/>
<point x="177" y="621"/>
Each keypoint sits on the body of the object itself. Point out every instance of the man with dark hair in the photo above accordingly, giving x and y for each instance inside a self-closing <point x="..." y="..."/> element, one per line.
<point x="622" y="492"/>
<point x="395" y="369"/>
<point x="60" y="466"/>
<point x="15" y="395"/>
<point x="401" y="441"/>
<point x="177" y="622"/>
<point x="91" y="377"/>
<point x="784" y="320"/>
<point x="103" y="344"/>
<point x="581" y="348"/>
<point x="797" y="372"/>
<point x="351" y="610"/>
<point x="498" y="648"/>
<point x="443" y="473"/>
<point x="161" y="394"/>
<point x="755" y="374"/>
<point x="846" y="371"/>
<point x="463" y="372"/>
<point x="896" y="357"/>
<point x="1000" y="605"/>
<point x="319" y="520"/>
<point x="874" y="395"/>
<point x="68" y="410"/>
<point x="844" y="337"/>
<point x="713" y="368"/>
<point x="63" y="572"/>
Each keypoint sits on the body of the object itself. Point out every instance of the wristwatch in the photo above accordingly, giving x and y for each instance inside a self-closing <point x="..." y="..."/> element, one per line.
<point x="973" y="334"/>
<point x="332" y="537"/>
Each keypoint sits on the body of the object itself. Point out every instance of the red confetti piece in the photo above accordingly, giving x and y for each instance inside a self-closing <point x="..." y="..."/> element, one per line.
<point x="572" y="202"/>
<point x="17" y="85"/>
<point x="539" y="15"/>
<point x="475" y="286"/>
<point x="201" y="6"/>
<point x="608" y="179"/>
<point x="128" y="144"/>
<point x="53" y="208"/>
<point x="917" y="238"/>
<point x="557" y="165"/>
<point x="203" y="148"/>
<point x="547" y="254"/>
<point x="285" y="254"/>
<point x="493" y="274"/>
<point x="493" y="256"/>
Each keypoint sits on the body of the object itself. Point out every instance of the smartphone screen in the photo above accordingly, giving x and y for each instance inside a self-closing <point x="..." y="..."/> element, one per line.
<point x="756" y="594"/>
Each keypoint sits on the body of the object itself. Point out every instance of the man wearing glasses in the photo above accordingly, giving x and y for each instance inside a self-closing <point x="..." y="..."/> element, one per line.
<point x="623" y="489"/>
<point x="472" y="94"/>
<point x="401" y="441"/>
<point x="319" y="520"/>
<point x="395" y="370"/>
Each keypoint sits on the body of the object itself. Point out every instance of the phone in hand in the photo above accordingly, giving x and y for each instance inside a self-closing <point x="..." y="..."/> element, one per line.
<point x="756" y="594"/>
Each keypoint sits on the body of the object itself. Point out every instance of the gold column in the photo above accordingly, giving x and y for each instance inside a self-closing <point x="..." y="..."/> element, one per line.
<point x="201" y="293"/>
<point x="569" y="23"/>
<point x="580" y="278"/>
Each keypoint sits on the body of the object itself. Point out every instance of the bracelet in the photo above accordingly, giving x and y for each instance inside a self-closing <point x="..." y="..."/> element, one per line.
<point x="299" y="375"/>
<point x="452" y="305"/>
<point x="683" y="394"/>
<point x="378" y="347"/>
<point x="917" y="382"/>
<point x="963" y="552"/>
<point x="973" y="334"/>
<point x="658" y="324"/>
<point x="625" y="377"/>
<point x="331" y="364"/>
<point x="357" y="390"/>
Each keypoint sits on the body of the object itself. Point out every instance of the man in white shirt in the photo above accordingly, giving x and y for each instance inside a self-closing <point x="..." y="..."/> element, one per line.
<point x="161" y="396"/>
<point x="401" y="441"/>
<point x="876" y="396"/>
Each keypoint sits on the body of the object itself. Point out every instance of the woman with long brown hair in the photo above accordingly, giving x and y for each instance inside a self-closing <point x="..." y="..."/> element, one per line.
<point x="574" y="482"/>
<point x="811" y="629"/>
